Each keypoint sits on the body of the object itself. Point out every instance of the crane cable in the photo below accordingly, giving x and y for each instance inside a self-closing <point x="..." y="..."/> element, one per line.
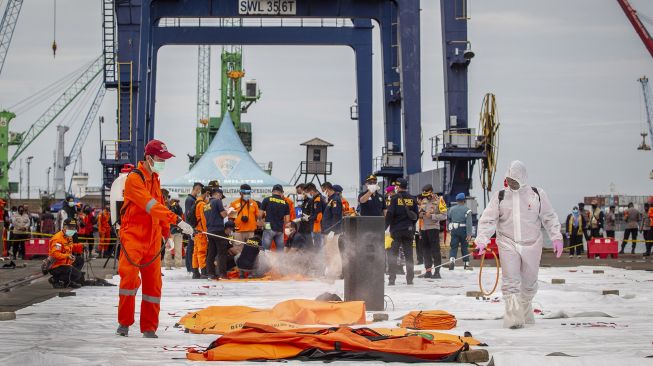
<point x="489" y="129"/>
<point x="40" y="96"/>
<point x="54" y="31"/>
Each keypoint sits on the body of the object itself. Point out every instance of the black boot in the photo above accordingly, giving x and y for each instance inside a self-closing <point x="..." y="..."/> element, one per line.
<point x="196" y="274"/>
<point x="632" y="251"/>
<point x="436" y="274"/>
<point x="623" y="246"/>
<point x="203" y="273"/>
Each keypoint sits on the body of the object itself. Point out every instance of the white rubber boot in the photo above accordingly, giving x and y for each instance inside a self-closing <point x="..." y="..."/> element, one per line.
<point x="526" y="307"/>
<point x="514" y="316"/>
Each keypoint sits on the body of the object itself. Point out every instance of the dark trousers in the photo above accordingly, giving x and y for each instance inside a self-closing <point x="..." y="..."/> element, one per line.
<point x="189" y="253"/>
<point x="401" y="240"/>
<point x="431" y="248"/>
<point x="213" y="251"/>
<point x="18" y="244"/>
<point x="419" y="247"/>
<point x="632" y="233"/>
<point x="459" y="238"/>
<point x="609" y="234"/>
<point x="647" y="236"/>
<point x="575" y="239"/>
<point x="595" y="233"/>
<point x="66" y="274"/>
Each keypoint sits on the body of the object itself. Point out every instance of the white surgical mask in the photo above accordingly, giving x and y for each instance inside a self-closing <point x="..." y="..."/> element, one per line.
<point x="288" y="231"/>
<point x="246" y="197"/>
<point x="71" y="233"/>
<point x="71" y="204"/>
<point x="157" y="166"/>
<point x="372" y="187"/>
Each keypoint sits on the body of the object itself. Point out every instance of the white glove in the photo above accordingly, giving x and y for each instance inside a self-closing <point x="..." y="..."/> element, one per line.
<point x="305" y="217"/>
<point x="185" y="228"/>
<point x="169" y="244"/>
<point x="331" y="235"/>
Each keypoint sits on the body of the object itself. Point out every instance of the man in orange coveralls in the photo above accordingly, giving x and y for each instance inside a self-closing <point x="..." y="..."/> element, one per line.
<point x="104" y="229"/>
<point x="61" y="249"/>
<point x="145" y="221"/>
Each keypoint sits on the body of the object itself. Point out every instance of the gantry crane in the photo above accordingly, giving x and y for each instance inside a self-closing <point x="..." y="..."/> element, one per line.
<point x="648" y="102"/>
<point x="24" y="140"/>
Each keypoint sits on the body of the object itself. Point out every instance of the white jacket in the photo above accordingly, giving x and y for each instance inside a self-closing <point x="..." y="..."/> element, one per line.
<point x="520" y="215"/>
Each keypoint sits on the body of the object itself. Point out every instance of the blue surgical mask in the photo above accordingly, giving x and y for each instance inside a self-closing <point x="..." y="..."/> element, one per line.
<point x="70" y="233"/>
<point x="246" y="197"/>
<point x="71" y="204"/>
<point x="575" y="210"/>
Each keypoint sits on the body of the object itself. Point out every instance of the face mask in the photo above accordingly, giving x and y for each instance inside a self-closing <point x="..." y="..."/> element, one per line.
<point x="158" y="166"/>
<point x="71" y="204"/>
<point x="288" y="232"/>
<point x="70" y="233"/>
<point x="513" y="184"/>
<point x="246" y="197"/>
<point x="575" y="211"/>
<point x="372" y="187"/>
<point x="309" y="195"/>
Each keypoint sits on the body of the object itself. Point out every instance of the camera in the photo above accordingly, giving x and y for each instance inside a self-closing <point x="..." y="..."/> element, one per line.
<point x="244" y="218"/>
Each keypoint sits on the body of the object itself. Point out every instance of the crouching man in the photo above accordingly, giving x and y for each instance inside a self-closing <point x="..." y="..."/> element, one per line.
<point x="61" y="249"/>
<point x="517" y="214"/>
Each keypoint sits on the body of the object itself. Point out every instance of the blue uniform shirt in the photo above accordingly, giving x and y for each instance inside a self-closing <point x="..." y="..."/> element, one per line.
<point x="460" y="214"/>
<point x="214" y="219"/>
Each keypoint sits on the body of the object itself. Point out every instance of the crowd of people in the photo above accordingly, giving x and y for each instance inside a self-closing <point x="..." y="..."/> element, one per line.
<point x="21" y="225"/>
<point x="595" y="223"/>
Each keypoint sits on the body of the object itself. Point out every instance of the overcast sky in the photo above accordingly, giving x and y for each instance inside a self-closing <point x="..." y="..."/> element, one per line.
<point x="564" y="72"/>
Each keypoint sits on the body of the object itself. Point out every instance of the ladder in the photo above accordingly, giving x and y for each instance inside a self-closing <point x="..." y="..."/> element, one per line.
<point x="109" y="42"/>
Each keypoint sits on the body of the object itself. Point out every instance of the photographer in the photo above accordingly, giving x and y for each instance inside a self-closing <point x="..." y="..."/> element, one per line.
<point x="245" y="211"/>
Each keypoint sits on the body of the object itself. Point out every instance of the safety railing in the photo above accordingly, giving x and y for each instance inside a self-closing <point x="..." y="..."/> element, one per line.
<point x="457" y="139"/>
<point x="388" y="159"/>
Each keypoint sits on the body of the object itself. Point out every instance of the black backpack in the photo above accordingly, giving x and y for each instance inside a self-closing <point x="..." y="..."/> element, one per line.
<point x="191" y="217"/>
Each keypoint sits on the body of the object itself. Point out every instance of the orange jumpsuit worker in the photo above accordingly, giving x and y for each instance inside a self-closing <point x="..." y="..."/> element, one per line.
<point x="104" y="229"/>
<point x="200" y="240"/>
<point x="145" y="220"/>
<point x="61" y="249"/>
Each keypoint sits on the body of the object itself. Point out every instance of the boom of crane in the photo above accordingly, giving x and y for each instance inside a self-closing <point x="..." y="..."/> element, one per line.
<point x="7" y="26"/>
<point x="24" y="140"/>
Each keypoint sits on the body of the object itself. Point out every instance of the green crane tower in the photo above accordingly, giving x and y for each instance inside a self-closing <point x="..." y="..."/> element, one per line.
<point x="6" y="138"/>
<point x="232" y="101"/>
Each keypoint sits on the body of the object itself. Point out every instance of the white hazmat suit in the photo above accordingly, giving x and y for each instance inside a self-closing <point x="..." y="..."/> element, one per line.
<point x="517" y="220"/>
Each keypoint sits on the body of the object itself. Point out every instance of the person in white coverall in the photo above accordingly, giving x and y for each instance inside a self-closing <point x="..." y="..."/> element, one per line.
<point x="517" y="215"/>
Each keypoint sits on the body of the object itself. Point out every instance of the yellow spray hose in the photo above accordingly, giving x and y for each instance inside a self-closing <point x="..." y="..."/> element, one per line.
<point x="480" y="273"/>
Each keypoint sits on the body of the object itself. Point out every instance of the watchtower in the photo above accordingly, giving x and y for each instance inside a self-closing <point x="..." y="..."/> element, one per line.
<point x="316" y="163"/>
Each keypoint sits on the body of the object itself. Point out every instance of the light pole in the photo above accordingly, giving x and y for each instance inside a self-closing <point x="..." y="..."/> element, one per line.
<point x="48" y="180"/>
<point x="29" y="162"/>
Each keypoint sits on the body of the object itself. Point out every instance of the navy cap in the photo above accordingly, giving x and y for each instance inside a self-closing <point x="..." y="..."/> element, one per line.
<point x="337" y="188"/>
<point x="401" y="183"/>
<point x="278" y="188"/>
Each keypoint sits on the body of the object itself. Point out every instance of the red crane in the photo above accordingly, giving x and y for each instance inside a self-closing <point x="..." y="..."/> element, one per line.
<point x="641" y="30"/>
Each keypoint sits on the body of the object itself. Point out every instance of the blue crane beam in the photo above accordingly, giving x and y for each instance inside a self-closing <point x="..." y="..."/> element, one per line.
<point x="137" y="25"/>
